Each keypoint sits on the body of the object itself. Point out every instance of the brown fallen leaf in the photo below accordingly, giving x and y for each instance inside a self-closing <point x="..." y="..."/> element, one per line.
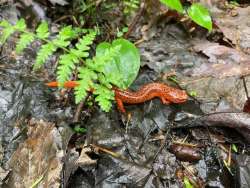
<point x="40" y="157"/>
<point x="236" y="27"/>
<point x="223" y="61"/>
<point x="237" y="121"/>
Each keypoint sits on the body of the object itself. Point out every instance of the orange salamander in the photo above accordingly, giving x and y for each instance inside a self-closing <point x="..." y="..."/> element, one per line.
<point x="147" y="92"/>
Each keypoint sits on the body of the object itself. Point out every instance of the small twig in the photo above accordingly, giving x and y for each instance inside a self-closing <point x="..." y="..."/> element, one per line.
<point x="192" y="122"/>
<point x="135" y="20"/>
<point x="79" y="109"/>
<point x="99" y="148"/>
<point x="63" y="18"/>
<point x="245" y="86"/>
<point x="161" y="147"/>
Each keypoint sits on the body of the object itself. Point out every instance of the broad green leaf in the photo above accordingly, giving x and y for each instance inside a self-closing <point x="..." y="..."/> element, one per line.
<point x="173" y="4"/>
<point x="42" y="31"/>
<point x="20" y="25"/>
<point x="128" y="61"/>
<point x="126" y="64"/>
<point x="106" y="63"/>
<point x="200" y="15"/>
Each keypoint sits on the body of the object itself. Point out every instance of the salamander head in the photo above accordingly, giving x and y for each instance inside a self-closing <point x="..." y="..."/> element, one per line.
<point x="177" y="96"/>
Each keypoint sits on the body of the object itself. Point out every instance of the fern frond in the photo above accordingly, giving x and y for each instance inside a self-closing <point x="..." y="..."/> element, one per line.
<point x="42" y="31"/>
<point x="67" y="33"/>
<point x="103" y="80"/>
<point x="67" y="62"/>
<point x="130" y="5"/>
<point x="66" y="65"/>
<point x="43" y="54"/>
<point x="84" y="43"/>
<point x="7" y="30"/>
<point x="20" y="25"/>
<point x="61" y="41"/>
<point x="86" y="78"/>
<point x="24" y="41"/>
<point x="104" y="97"/>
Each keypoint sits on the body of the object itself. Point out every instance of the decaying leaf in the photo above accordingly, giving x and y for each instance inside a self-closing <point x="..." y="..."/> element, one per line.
<point x="39" y="157"/>
<point x="236" y="27"/>
<point x="84" y="159"/>
<point x="223" y="61"/>
<point x="59" y="2"/>
<point x="237" y="121"/>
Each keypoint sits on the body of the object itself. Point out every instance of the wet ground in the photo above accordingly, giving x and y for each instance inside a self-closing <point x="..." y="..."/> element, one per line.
<point x="157" y="146"/>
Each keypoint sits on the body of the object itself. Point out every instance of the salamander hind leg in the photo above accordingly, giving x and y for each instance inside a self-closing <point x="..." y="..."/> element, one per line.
<point x="164" y="101"/>
<point x="120" y="105"/>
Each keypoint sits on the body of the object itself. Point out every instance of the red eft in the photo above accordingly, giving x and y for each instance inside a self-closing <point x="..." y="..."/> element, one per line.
<point x="147" y="92"/>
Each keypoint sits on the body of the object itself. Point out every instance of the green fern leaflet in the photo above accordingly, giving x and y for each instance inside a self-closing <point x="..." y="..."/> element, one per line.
<point x="86" y="77"/>
<point x="67" y="62"/>
<point x="24" y="41"/>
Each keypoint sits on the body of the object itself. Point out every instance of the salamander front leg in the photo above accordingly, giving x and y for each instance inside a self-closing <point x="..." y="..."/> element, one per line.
<point x="120" y="105"/>
<point x="164" y="101"/>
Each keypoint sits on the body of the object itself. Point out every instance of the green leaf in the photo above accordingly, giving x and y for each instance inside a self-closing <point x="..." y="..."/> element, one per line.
<point x="43" y="54"/>
<point x="104" y="97"/>
<point x="85" y="41"/>
<point x="66" y="66"/>
<point x="67" y="33"/>
<point x="60" y="43"/>
<point x="67" y="61"/>
<point x="187" y="183"/>
<point x="200" y="15"/>
<point x="104" y="81"/>
<point x="86" y="77"/>
<point x="20" y="25"/>
<point x="125" y="29"/>
<point x="128" y="61"/>
<point x="193" y="93"/>
<point x="123" y="68"/>
<point x="42" y="32"/>
<point x="5" y="24"/>
<point x="105" y="62"/>
<point x="173" y="4"/>
<point x="24" y="41"/>
<point x="234" y="148"/>
<point x="79" y="129"/>
<point x="7" y="30"/>
<point x="119" y="34"/>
